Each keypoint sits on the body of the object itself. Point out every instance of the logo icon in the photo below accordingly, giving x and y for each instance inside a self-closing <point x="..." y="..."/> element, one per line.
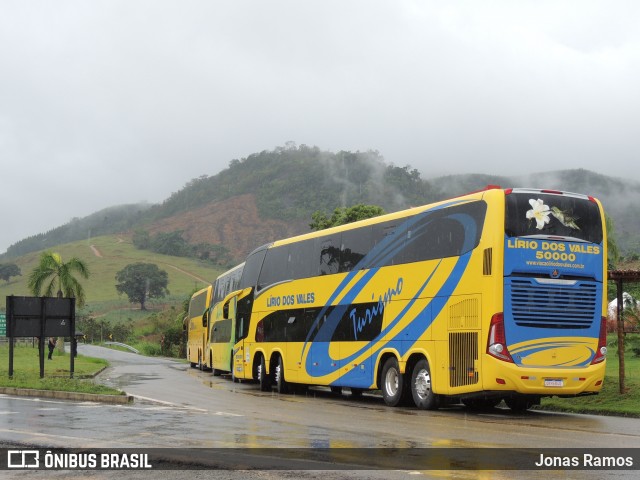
<point x="555" y="273"/>
<point x="23" y="459"/>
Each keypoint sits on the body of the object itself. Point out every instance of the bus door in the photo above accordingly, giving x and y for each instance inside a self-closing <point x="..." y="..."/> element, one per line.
<point x="241" y="353"/>
<point x="360" y="324"/>
<point x="221" y="334"/>
<point x="337" y="354"/>
<point x="204" y="334"/>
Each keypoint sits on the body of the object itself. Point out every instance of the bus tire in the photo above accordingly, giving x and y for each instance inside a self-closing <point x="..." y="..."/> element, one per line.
<point x="394" y="390"/>
<point x="281" y="384"/>
<point x="214" y="371"/>
<point x="421" y="390"/>
<point x="262" y="376"/>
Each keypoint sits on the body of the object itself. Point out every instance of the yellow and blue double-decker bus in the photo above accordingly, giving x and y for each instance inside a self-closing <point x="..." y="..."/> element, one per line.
<point x="197" y="326"/>
<point x="493" y="295"/>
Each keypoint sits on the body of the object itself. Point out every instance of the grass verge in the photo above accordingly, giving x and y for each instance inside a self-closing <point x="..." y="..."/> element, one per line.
<point x="26" y="371"/>
<point x="609" y="401"/>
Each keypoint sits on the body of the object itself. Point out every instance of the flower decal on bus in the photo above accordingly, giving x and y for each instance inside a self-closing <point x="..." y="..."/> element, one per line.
<point x="540" y="213"/>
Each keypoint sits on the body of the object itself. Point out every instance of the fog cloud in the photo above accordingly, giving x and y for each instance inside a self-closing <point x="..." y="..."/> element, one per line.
<point x="105" y="103"/>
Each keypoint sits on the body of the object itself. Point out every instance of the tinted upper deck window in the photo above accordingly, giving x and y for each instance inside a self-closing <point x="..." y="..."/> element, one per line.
<point x="533" y="213"/>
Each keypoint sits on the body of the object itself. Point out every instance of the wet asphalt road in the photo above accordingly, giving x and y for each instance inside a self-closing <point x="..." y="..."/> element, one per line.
<point x="180" y="406"/>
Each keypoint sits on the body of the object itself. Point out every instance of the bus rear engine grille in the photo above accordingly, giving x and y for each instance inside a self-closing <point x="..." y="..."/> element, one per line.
<point x="553" y="306"/>
<point x="463" y="355"/>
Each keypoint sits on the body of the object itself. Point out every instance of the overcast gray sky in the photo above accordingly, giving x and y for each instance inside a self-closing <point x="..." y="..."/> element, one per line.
<point x="110" y="102"/>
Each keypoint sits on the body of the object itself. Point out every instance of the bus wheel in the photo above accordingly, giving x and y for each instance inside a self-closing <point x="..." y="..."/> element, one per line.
<point x="281" y="383"/>
<point x="393" y="385"/>
<point x="214" y="371"/>
<point x="263" y="378"/>
<point x="520" y="403"/>
<point x="423" y="395"/>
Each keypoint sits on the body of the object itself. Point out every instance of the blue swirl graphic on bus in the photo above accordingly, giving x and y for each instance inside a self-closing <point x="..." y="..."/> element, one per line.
<point x="319" y="361"/>
<point x="360" y="322"/>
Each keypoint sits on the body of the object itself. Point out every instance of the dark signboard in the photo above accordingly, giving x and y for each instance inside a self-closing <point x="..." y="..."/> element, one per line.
<point x="39" y="317"/>
<point x="35" y="316"/>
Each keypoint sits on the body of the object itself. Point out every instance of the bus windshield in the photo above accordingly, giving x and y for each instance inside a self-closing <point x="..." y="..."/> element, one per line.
<point x="533" y="213"/>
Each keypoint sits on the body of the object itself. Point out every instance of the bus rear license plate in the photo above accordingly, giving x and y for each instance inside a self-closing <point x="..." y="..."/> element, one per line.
<point x="553" y="382"/>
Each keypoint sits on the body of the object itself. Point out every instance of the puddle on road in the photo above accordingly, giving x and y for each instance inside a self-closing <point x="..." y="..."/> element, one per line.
<point x="128" y="379"/>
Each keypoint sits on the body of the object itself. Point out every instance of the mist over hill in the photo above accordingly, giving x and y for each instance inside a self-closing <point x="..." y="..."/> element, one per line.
<point x="104" y="222"/>
<point x="272" y="194"/>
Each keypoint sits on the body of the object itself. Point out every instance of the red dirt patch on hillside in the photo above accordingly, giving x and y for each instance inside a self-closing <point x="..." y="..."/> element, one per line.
<point x="233" y="223"/>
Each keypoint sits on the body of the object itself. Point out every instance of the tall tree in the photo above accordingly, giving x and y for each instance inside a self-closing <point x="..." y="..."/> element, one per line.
<point x="141" y="281"/>
<point x="53" y="275"/>
<point x="8" y="270"/>
<point x="342" y="215"/>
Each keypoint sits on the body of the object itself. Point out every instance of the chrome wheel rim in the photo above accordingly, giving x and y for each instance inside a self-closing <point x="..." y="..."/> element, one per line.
<point x="391" y="382"/>
<point x="422" y="383"/>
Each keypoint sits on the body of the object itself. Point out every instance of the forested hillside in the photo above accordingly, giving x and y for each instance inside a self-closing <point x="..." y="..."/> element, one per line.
<point x="272" y="194"/>
<point x="107" y="221"/>
<point x="260" y="198"/>
<point x="291" y="183"/>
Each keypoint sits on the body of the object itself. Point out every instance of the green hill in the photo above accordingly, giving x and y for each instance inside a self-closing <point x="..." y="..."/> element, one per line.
<point x="272" y="194"/>
<point x="105" y="256"/>
<point x="287" y="185"/>
<point x="264" y="197"/>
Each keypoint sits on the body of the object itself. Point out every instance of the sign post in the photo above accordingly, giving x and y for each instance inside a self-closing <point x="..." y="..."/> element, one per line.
<point x="39" y="317"/>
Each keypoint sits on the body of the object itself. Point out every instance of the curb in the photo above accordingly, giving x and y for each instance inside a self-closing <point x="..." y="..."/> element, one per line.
<point x="60" y="395"/>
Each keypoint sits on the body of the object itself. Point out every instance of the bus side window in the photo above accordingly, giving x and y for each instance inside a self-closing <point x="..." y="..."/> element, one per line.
<point x="300" y="259"/>
<point x="243" y="317"/>
<point x="275" y="265"/>
<point x="240" y="329"/>
<point x="389" y="239"/>
<point x="252" y="268"/>
<point x="327" y="253"/>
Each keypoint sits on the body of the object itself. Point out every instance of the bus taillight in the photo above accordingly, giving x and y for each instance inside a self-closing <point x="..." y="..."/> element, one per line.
<point x="601" y="352"/>
<point x="497" y="342"/>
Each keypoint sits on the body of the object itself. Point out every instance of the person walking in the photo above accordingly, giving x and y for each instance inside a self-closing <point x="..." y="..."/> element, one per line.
<point x="52" y="346"/>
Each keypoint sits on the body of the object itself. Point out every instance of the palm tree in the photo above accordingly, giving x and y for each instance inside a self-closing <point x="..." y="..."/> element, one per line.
<point x="52" y="273"/>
